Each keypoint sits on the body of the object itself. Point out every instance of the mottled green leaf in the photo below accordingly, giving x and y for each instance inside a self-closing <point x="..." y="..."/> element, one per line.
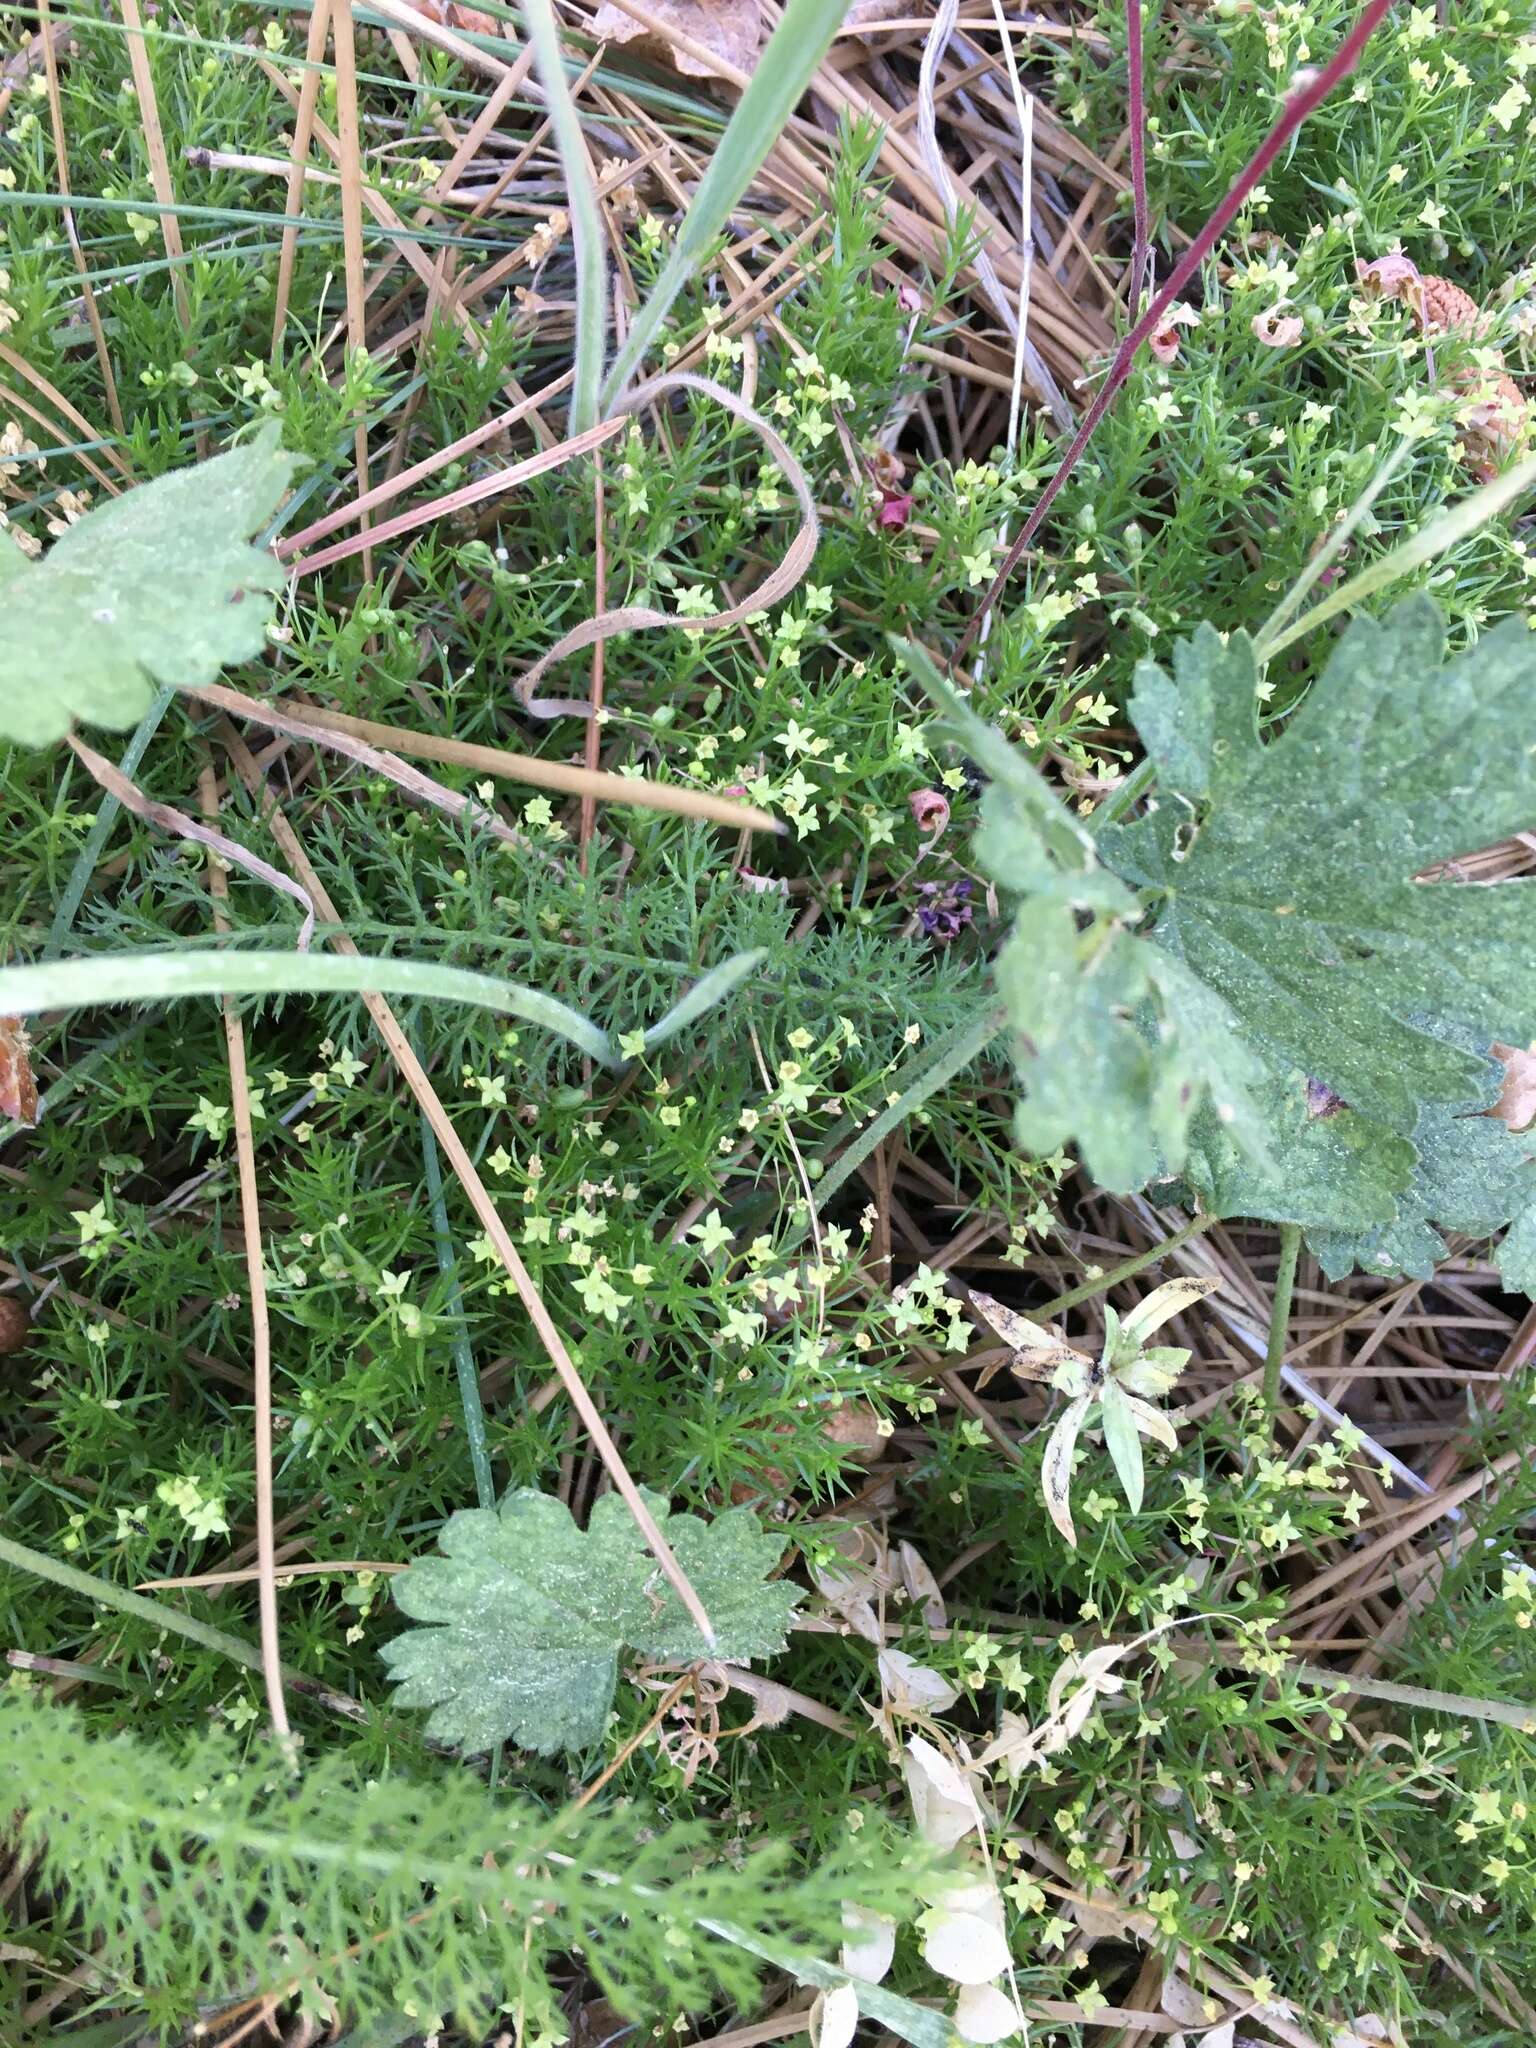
<point x="1255" y="991"/>
<point x="1472" y="1175"/>
<point x="1288" y="880"/>
<point x="526" y="1614"/>
<point x="1328" y="1167"/>
<point x="159" y="585"/>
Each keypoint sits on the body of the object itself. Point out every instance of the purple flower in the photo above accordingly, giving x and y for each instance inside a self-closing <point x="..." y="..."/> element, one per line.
<point x="944" y="912"/>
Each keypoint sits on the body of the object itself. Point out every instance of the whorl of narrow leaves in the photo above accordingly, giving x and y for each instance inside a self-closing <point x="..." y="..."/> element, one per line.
<point x="208" y="1870"/>
<point x="159" y="585"/>
<point x="1304" y="1014"/>
<point x="527" y="1615"/>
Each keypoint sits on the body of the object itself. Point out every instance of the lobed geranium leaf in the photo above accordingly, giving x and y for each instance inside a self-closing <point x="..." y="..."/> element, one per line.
<point x="1256" y="991"/>
<point x="1287" y="872"/>
<point x="526" y="1614"/>
<point x="160" y="585"/>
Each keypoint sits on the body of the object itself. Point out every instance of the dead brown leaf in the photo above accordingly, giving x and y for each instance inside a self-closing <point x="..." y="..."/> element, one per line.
<point x="1516" y="1105"/>
<point x="469" y="19"/>
<point x="18" y="1089"/>
<point x="731" y="29"/>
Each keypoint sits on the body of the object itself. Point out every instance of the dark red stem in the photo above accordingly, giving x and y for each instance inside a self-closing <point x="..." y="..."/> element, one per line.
<point x="1142" y="236"/>
<point x="1301" y="103"/>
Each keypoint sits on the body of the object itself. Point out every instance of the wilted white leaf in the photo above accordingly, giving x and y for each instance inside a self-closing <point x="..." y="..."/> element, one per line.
<point x="1152" y="1422"/>
<point x="1163" y="1303"/>
<point x="1368" y="2030"/>
<point x="869" y="1943"/>
<point x="1094" y="1668"/>
<point x="921" y="1586"/>
<point x="1038" y="1353"/>
<point x="985" y="2013"/>
<point x="967" y="1948"/>
<point x="943" y="1804"/>
<point x="912" y="1685"/>
<point x="834" y="2015"/>
<point x="1056" y="1470"/>
<point x="847" y="1589"/>
<point x="1016" y="1747"/>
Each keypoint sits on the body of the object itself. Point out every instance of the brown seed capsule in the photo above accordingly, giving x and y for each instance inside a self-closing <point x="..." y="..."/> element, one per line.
<point x="15" y="1326"/>
<point x="18" y="1089"/>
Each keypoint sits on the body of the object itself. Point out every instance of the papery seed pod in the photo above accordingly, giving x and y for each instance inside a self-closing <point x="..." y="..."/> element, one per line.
<point x="15" y="1325"/>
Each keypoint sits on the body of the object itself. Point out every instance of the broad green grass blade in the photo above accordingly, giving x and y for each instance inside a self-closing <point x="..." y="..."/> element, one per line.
<point x="710" y="989"/>
<point x="152" y="977"/>
<point x="586" y="225"/>
<point x="1430" y="541"/>
<point x="784" y="70"/>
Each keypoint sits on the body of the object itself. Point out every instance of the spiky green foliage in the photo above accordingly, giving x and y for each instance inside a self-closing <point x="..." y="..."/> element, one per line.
<point x="205" y="1875"/>
<point x="527" y="1614"/>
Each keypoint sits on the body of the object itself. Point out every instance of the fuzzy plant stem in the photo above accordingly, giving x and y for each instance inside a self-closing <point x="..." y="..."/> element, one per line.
<point x="1280" y="1313"/>
<point x="1126" y="1270"/>
<point x="1303" y="102"/>
<point x="1141" y="246"/>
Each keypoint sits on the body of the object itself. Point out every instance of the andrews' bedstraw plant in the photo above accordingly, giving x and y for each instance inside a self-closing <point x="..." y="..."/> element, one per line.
<point x="764" y="1347"/>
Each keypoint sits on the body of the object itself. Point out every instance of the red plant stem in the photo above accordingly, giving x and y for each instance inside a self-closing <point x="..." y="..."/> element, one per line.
<point x="1295" y="111"/>
<point x="1142" y="236"/>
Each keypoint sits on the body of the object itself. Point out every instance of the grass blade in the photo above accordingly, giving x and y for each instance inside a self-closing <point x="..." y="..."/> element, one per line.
<point x="463" y="1357"/>
<point x="154" y="976"/>
<point x="709" y="990"/>
<point x="1431" y="540"/>
<point x="784" y="70"/>
<point x="586" y="223"/>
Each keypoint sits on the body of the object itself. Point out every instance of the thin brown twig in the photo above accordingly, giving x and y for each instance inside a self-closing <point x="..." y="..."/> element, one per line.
<point x="61" y="162"/>
<point x="159" y="161"/>
<point x="350" y="164"/>
<point x="261" y="1327"/>
<point x="374" y="744"/>
<point x="420" y="1085"/>
<point x="303" y="130"/>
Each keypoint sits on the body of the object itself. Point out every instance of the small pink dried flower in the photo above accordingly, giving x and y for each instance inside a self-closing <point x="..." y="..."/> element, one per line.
<point x="1276" y="329"/>
<point x="930" y="807"/>
<point x="895" y="508"/>
<point x="762" y="885"/>
<point x="1164" y="344"/>
<point x="909" y="298"/>
<point x="1393" y="276"/>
